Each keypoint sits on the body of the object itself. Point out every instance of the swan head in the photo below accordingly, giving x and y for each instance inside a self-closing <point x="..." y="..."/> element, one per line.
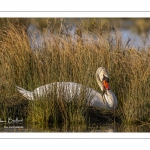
<point x="102" y="78"/>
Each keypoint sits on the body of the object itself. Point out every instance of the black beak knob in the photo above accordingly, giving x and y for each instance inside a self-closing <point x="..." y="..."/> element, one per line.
<point x="106" y="79"/>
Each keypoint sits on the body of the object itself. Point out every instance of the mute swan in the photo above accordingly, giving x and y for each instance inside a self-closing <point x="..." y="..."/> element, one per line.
<point x="105" y="100"/>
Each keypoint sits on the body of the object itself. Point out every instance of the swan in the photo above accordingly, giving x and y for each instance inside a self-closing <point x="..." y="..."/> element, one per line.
<point x="106" y="99"/>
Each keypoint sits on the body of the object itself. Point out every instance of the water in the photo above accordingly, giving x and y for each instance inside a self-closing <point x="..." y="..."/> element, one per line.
<point x="136" y="41"/>
<point x="133" y="39"/>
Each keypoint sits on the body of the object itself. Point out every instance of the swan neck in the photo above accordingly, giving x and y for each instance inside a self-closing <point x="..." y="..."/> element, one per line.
<point x="99" y="82"/>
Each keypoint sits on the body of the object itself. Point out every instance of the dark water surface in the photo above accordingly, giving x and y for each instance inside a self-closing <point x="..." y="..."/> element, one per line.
<point x="76" y="128"/>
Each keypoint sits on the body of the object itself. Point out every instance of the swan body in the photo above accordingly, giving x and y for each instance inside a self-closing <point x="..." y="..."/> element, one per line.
<point x="70" y="90"/>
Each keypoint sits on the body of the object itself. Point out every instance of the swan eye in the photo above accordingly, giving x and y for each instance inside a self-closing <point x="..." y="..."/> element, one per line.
<point x="105" y="78"/>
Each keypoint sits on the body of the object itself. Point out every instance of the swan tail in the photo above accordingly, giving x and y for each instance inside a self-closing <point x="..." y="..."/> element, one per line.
<point x="25" y="93"/>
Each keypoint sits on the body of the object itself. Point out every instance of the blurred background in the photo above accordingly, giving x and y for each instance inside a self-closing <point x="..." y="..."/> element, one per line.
<point x="133" y="30"/>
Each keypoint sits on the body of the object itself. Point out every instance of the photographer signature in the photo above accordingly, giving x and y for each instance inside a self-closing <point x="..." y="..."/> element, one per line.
<point x="11" y="121"/>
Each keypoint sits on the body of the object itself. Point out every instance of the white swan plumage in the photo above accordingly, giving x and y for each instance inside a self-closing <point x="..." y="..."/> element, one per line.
<point x="106" y="100"/>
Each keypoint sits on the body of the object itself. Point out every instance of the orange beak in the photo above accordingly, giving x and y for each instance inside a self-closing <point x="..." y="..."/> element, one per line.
<point x="106" y="85"/>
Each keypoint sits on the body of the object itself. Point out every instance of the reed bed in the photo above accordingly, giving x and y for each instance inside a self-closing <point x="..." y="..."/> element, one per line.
<point x="67" y="59"/>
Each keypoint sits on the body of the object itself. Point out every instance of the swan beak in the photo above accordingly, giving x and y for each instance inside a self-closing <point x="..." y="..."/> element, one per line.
<point x="106" y="85"/>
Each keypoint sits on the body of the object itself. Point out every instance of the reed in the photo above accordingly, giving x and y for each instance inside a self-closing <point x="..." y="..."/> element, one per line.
<point x="62" y="58"/>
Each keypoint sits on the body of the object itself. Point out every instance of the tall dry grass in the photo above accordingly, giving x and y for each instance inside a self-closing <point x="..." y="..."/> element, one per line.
<point x="62" y="58"/>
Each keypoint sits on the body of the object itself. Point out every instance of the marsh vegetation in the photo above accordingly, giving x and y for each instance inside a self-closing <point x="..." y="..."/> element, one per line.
<point x="67" y="58"/>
